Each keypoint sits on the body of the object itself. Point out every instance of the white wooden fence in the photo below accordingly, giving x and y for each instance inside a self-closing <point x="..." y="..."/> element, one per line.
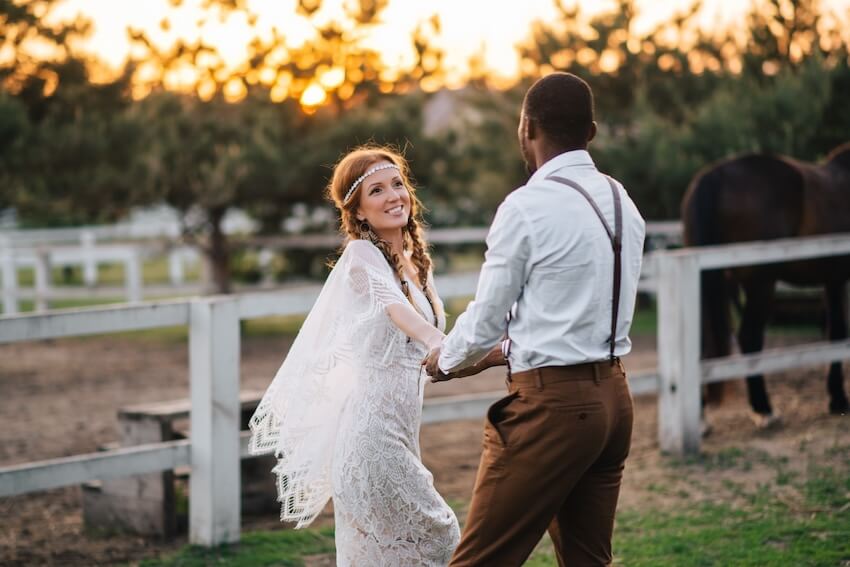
<point x="41" y="250"/>
<point x="681" y="373"/>
<point x="41" y="262"/>
<point x="89" y="255"/>
<point x="215" y="447"/>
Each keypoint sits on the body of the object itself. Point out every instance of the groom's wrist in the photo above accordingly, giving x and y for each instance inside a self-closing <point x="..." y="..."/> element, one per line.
<point x="493" y="358"/>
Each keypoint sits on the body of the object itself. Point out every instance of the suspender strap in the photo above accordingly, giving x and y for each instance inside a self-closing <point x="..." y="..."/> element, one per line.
<point x="506" y="346"/>
<point x="616" y="238"/>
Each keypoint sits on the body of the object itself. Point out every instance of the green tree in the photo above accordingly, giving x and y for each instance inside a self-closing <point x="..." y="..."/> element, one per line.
<point x="606" y="49"/>
<point x="74" y="159"/>
<point x="68" y="146"/>
<point x="31" y="77"/>
<point x="335" y="66"/>
<point x="14" y="131"/>
<point x="207" y="158"/>
<point x="672" y="106"/>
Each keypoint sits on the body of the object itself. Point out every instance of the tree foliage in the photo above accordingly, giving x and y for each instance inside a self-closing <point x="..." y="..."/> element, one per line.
<point x="68" y="148"/>
<point x="669" y="101"/>
<point x="670" y="108"/>
<point x="334" y="65"/>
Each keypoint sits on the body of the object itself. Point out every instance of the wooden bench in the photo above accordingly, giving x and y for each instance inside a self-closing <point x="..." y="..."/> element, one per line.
<point x="151" y="504"/>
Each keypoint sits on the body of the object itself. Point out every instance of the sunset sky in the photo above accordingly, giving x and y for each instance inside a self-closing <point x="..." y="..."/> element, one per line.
<point x="469" y="26"/>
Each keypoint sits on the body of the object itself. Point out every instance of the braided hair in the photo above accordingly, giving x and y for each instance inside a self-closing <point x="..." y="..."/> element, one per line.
<point x="347" y="170"/>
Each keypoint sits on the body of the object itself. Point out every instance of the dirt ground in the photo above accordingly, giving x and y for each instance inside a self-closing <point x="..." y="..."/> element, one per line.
<point x="59" y="398"/>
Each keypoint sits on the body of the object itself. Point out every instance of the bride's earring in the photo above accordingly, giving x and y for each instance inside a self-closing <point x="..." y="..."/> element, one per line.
<point x="366" y="231"/>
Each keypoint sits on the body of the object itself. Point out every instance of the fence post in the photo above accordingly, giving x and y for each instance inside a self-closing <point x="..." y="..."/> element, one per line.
<point x="679" y="396"/>
<point x="133" y="276"/>
<point x="42" y="279"/>
<point x="175" y="266"/>
<point x="265" y="257"/>
<point x="214" y="484"/>
<point x="89" y="260"/>
<point x="10" y="277"/>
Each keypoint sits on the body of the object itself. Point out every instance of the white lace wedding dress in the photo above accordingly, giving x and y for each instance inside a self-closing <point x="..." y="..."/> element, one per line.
<point x="343" y="416"/>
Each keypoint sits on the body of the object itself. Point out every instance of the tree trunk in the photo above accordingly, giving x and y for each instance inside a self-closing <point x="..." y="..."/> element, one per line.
<point x="218" y="253"/>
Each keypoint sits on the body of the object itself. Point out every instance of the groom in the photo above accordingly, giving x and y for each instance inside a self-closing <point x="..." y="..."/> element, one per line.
<point x="563" y="260"/>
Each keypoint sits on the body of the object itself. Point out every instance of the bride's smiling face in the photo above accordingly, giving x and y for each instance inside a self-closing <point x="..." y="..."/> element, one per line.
<point x="384" y="200"/>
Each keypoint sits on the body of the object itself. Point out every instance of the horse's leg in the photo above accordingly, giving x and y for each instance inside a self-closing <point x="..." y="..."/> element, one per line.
<point x="836" y="324"/>
<point x="757" y="303"/>
<point x="716" y="326"/>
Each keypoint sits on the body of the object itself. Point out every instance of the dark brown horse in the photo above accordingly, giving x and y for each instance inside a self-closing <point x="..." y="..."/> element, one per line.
<point x="763" y="197"/>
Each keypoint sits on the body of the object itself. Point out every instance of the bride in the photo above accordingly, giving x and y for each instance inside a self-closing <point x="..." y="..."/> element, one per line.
<point x="343" y="412"/>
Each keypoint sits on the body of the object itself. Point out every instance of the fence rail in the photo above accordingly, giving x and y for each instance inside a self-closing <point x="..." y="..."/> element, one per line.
<point x="216" y="445"/>
<point x="681" y="373"/>
<point x="41" y="250"/>
<point x="115" y="463"/>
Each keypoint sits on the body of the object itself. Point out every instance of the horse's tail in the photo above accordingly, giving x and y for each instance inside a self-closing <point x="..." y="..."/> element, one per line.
<point x="700" y="217"/>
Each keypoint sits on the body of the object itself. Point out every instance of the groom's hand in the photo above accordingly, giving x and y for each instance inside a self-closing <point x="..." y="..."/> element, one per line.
<point x="432" y="367"/>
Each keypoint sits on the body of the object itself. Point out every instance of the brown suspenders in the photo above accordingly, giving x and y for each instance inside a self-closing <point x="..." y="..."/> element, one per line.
<point x="616" y="238"/>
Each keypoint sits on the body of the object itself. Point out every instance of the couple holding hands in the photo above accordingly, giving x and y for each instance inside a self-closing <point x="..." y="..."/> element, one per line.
<point x="554" y="304"/>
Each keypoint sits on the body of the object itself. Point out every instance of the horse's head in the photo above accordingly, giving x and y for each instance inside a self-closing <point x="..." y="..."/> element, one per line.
<point x="840" y="156"/>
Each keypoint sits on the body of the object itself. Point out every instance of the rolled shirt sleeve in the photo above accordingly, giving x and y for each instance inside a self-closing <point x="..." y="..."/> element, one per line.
<point x="500" y="284"/>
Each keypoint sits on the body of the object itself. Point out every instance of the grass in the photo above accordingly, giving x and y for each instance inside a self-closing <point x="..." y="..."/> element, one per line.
<point x="261" y="327"/>
<point x="272" y="326"/>
<point x="256" y="549"/>
<point x="644" y="324"/>
<point x="253" y="328"/>
<point x="27" y="305"/>
<point x="721" y="535"/>
<point x="154" y="272"/>
<point x="764" y="532"/>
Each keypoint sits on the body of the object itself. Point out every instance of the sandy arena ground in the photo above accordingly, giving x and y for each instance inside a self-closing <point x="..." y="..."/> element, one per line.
<point x="60" y="398"/>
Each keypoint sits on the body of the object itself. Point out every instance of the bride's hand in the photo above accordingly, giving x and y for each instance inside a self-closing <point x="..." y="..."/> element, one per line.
<point x="431" y="363"/>
<point x="493" y="358"/>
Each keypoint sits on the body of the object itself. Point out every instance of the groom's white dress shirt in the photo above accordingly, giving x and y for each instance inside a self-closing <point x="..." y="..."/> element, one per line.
<point x="549" y="261"/>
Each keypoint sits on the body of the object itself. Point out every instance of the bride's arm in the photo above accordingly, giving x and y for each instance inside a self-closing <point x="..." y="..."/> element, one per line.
<point x="414" y="326"/>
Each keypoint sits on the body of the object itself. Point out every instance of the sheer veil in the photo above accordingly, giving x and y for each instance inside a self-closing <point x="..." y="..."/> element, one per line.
<point x="343" y="337"/>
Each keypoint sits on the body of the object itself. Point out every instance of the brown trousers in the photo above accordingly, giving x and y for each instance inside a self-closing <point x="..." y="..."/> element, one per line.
<point x="554" y="451"/>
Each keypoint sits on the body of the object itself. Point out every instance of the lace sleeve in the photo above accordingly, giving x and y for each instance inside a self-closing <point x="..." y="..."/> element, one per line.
<point x="370" y="278"/>
<point x="372" y="288"/>
<point x="346" y="332"/>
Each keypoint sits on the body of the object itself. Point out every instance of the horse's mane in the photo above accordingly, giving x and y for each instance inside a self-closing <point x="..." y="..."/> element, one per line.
<point x="840" y="156"/>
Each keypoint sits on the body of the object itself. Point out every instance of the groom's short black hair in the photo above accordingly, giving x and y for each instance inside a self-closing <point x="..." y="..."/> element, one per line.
<point x="561" y="104"/>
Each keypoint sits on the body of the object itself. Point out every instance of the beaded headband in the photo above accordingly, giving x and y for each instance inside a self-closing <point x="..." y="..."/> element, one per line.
<point x="369" y="172"/>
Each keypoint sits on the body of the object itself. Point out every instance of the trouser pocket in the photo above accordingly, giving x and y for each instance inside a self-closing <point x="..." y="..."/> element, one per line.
<point x="496" y="415"/>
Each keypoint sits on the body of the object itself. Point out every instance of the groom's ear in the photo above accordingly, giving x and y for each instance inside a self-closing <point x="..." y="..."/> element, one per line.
<point x="592" y="133"/>
<point x="530" y="128"/>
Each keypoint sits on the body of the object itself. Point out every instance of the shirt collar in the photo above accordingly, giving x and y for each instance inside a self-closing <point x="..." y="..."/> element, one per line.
<point x="566" y="159"/>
